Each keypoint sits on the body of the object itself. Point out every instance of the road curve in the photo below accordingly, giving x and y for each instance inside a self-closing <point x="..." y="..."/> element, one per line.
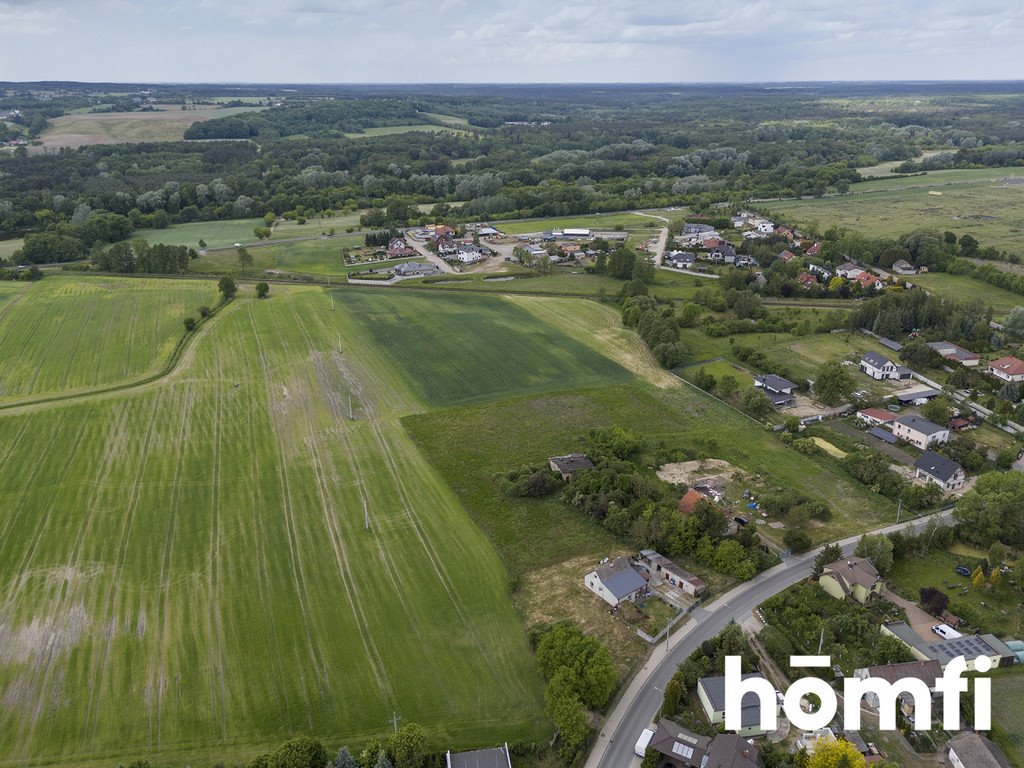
<point x="640" y="702"/>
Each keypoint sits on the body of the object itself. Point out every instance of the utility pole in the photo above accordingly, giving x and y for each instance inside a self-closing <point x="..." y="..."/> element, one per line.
<point x="366" y="515"/>
<point x="394" y="721"/>
<point x="668" y="631"/>
<point x="821" y="640"/>
<point x="899" y="511"/>
<point x="351" y="416"/>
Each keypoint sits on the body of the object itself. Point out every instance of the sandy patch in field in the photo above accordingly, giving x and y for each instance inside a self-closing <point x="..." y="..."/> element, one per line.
<point x="828" y="448"/>
<point x="712" y="472"/>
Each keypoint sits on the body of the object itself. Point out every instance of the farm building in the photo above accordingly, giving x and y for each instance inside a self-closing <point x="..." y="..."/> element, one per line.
<point x="569" y="464"/>
<point x="935" y="468"/>
<point x="660" y="567"/>
<point x="616" y="582"/>
<point x="855" y="578"/>
<point x="498" y="757"/>
<point x="881" y="368"/>
<point x="917" y="396"/>
<point x="1007" y="369"/>
<point x="951" y="351"/>
<point x="918" y="431"/>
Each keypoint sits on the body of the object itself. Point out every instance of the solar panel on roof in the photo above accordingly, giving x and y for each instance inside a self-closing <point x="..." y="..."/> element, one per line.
<point x="682" y="749"/>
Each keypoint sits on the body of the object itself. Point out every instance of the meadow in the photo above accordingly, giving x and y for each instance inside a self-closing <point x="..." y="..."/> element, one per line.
<point x="604" y="222"/>
<point x="1008" y="713"/>
<point x="8" y="247"/>
<point x="468" y="348"/>
<point x="319" y="256"/>
<point x="971" y="202"/>
<point x="216" y="234"/>
<point x="185" y="575"/>
<point x="67" y="334"/>
<point x="965" y="288"/>
<point x="391" y="130"/>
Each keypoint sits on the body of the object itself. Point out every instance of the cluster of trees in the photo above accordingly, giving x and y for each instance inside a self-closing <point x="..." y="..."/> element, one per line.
<point x="991" y="511"/>
<point x="874" y="470"/>
<point x="139" y="257"/>
<point x="32" y="273"/>
<point x="579" y="676"/>
<point x="658" y="325"/>
<point x="406" y="748"/>
<point x="896" y="313"/>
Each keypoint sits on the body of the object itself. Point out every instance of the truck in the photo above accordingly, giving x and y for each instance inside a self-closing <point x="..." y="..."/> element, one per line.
<point x="643" y="742"/>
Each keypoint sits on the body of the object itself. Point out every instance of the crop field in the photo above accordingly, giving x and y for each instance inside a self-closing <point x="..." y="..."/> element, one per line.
<point x="185" y="575"/>
<point x="320" y="256"/>
<point x="966" y="288"/>
<point x="167" y="123"/>
<point x="972" y="202"/>
<point x="469" y="348"/>
<point x="65" y="334"/>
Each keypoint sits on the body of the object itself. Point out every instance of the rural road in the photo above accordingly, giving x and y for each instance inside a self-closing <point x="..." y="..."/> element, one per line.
<point x="641" y="701"/>
<point x="429" y="255"/>
<point x="659" y="247"/>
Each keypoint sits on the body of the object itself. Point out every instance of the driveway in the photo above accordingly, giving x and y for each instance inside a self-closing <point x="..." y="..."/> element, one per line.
<point x="429" y="255"/>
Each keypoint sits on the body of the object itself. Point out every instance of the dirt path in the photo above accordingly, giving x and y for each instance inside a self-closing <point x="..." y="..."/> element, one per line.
<point x="430" y="256"/>
<point x="659" y="247"/>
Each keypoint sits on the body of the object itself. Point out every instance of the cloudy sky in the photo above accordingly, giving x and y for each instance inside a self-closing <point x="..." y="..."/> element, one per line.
<point x="338" y="41"/>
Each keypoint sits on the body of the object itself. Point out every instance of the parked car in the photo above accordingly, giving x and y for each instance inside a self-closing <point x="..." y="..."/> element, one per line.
<point x="946" y="632"/>
<point x="963" y="570"/>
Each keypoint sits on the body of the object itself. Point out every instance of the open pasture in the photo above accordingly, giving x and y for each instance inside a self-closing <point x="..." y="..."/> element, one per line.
<point x="185" y="575"/>
<point x="966" y="288"/>
<point x="216" y="234"/>
<point x="319" y="256"/>
<point x="460" y="349"/>
<point x="65" y="334"/>
<point x="606" y="222"/>
<point x="8" y="247"/>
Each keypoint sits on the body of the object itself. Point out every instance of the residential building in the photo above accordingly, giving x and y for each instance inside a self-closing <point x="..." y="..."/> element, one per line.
<point x="881" y="368"/>
<point x="813" y="250"/>
<point x="764" y="226"/>
<point x="928" y="671"/>
<point x="876" y="416"/>
<point x="855" y="578"/>
<point x="660" y="567"/>
<point x="446" y="246"/>
<point x="730" y="750"/>
<point x="689" y="500"/>
<point x="678" y="747"/>
<point x="498" y="757"/>
<point x="849" y="270"/>
<point x="785" y="232"/>
<point x="786" y="256"/>
<point x="616" y="582"/>
<point x="723" y="253"/>
<point x="680" y="259"/>
<point x="398" y="248"/>
<point x="868" y="281"/>
<point x="917" y="396"/>
<point x="944" y="651"/>
<point x="918" y="431"/>
<point x="779" y="390"/>
<point x="467" y="253"/>
<point x="569" y="464"/>
<point x="1007" y="369"/>
<point x="972" y="750"/>
<point x="806" y="280"/>
<point x="711" y="692"/>
<point x="935" y="468"/>
<point x="816" y="269"/>
<point x="957" y="354"/>
<point x="535" y="251"/>
<point x="696" y="229"/>
<point x="903" y="267"/>
<point x="415" y="269"/>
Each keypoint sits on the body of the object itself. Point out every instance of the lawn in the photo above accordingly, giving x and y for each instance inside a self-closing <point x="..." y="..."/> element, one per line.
<point x="291" y="228"/>
<point x="1008" y="713"/>
<point x="972" y="202"/>
<point x="68" y="334"/>
<point x="319" y="256"/>
<point x="8" y="247"/>
<point x="216" y="234"/>
<point x="187" y="578"/>
<point x="460" y="349"/>
<point x="997" y="609"/>
<point x="964" y="288"/>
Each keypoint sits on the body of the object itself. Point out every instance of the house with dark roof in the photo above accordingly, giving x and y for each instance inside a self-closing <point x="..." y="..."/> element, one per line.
<point x="944" y="651"/>
<point x="711" y="692"/>
<point x="904" y="267"/>
<point x="956" y="354"/>
<point x="724" y="253"/>
<point x="416" y="269"/>
<point x="972" y="750"/>
<point x="616" y="582"/>
<point x="881" y="368"/>
<point x="786" y="256"/>
<point x="895" y="346"/>
<point x="679" y="748"/>
<point x="779" y="390"/>
<point x="849" y="270"/>
<point x="883" y="435"/>
<point x="927" y="671"/>
<point x="917" y="396"/>
<point x="935" y="468"/>
<point x="569" y="464"/>
<point x="730" y="750"/>
<point x="498" y="757"/>
<point x="660" y="567"/>
<point x="855" y="578"/>
<point x="918" y="431"/>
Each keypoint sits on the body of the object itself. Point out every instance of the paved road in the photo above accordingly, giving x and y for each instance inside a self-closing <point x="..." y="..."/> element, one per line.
<point x="642" y="699"/>
<point x="421" y="248"/>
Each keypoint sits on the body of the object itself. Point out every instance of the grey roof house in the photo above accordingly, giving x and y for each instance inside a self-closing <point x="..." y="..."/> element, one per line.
<point x="497" y="757"/>
<point x="935" y="468"/>
<point x="569" y="464"/>
<point x="779" y="390"/>
<point x="616" y="582"/>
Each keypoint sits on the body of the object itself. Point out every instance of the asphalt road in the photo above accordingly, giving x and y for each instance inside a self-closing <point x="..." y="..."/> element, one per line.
<point x="642" y="699"/>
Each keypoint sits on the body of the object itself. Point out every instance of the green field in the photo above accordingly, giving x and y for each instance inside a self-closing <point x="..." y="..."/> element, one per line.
<point x="391" y="130"/>
<point x="315" y="226"/>
<point x="965" y="288"/>
<point x="602" y="222"/>
<point x="469" y="348"/>
<point x="319" y="256"/>
<point x="70" y="334"/>
<point x="8" y="247"/>
<point x="185" y="574"/>
<point x="217" y="234"/>
<point x="972" y="202"/>
<point x="1008" y="713"/>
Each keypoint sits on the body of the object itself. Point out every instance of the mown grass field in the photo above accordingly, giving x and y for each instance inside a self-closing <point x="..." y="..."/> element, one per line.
<point x="67" y="334"/>
<point x="391" y="130"/>
<point x="964" y="288"/>
<point x="1008" y="713"/>
<point x="185" y="575"/>
<point x="216" y="234"/>
<point x="319" y="256"/>
<point x="972" y="202"/>
<point x="460" y="349"/>
<point x="602" y="222"/>
<point x="8" y="247"/>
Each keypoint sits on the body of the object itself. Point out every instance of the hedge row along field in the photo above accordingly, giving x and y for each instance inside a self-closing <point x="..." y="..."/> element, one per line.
<point x="185" y="574"/>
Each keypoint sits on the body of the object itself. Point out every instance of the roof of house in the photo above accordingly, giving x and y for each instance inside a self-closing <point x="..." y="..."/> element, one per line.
<point x="776" y="383"/>
<point x="928" y="671"/>
<point x="855" y="570"/>
<point x="978" y="751"/>
<point x="1011" y="366"/>
<point x="949" y="349"/>
<point x="847" y="266"/>
<point x="920" y="424"/>
<point x="814" y="250"/>
<point x="620" y="578"/>
<point x="866" y="279"/>
<point x="787" y="255"/>
<point x="689" y="501"/>
<point x="902" y="264"/>
<point x="497" y="757"/>
<point x="729" y="750"/>
<point x="572" y="462"/>
<point x="938" y="466"/>
<point x="805" y="278"/>
<point x="878" y="414"/>
<point x="910" y="396"/>
<point x="414" y="266"/>
<point x="681" y="746"/>
<point x="883" y="435"/>
<point x="875" y="359"/>
<point x="944" y="651"/>
<point x="714" y="687"/>
<point x="895" y="346"/>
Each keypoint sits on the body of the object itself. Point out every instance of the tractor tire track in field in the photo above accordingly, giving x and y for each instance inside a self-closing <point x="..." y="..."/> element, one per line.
<point x="215" y="638"/>
<point x="172" y="371"/>
<point x="373" y="655"/>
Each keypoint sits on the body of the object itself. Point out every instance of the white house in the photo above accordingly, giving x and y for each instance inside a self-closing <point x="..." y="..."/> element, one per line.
<point x="469" y="253"/>
<point x="616" y="582"/>
<point x="1007" y="369"/>
<point x="849" y="271"/>
<point x="880" y="367"/>
<point x="919" y="431"/>
<point x="711" y="692"/>
<point x="875" y="417"/>
<point x="935" y="468"/>
<point x="765" y="227"/>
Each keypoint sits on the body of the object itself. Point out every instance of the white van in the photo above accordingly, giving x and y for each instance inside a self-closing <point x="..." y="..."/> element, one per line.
<point x="946" y="632"/>
<point x="643" y="742"/>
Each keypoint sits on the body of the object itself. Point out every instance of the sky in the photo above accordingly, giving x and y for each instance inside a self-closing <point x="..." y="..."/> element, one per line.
<point x="412" y="41"/>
